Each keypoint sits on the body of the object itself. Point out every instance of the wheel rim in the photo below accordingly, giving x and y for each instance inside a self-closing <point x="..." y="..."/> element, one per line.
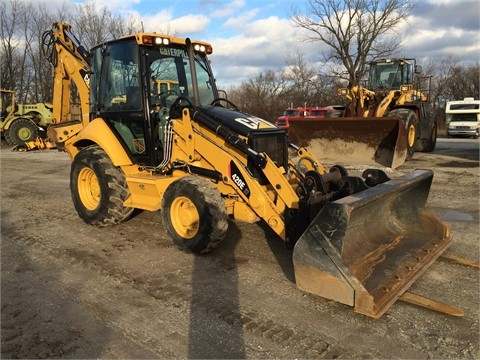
<point x="185" y="217"/>
<point x="411" y="135"/>
<point x="88" y="188"/>
<point x="24" y="133"/>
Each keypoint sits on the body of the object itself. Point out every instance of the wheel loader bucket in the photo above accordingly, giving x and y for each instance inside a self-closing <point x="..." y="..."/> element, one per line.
<point x="365" y="250"/>
<point x="361" y="141"/>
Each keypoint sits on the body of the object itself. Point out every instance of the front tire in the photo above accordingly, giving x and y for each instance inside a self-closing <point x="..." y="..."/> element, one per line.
<point x="411" y="122"/>
<point x="194" y="214"/>
<point x="428" y="145"/>
<point x="98" y="188"/>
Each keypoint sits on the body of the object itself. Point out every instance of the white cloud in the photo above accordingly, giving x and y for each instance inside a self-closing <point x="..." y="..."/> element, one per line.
<point x="438" y="30"/>
<point x="165" y="22"/>
<point x="264" y="45"/>
<point x="238" y="23"/>
<point x="116" y="6"/>
<point x="191" y="24"/>
<point x="231" y="7"/>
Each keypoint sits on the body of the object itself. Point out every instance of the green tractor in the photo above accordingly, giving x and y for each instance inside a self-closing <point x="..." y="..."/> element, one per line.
<point x="22" y="123"/>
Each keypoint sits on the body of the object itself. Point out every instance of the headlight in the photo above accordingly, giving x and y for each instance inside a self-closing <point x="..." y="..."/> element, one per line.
<point x="162" y="41"/>
<point x="206" y="49"/>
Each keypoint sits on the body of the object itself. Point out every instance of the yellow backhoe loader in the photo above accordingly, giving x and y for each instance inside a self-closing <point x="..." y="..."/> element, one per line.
<point x="199" y="160"/>
<point x="382" y="124"/>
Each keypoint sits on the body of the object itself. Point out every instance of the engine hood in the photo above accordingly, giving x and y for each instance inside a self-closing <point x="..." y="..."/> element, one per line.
<point x="238" y="122"/>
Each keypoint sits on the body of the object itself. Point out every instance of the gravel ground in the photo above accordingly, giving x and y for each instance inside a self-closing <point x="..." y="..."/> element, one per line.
<point x="70" y="290"/>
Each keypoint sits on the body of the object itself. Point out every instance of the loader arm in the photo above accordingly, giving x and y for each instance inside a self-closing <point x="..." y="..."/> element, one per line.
<point x="361" y="101"/>
<point x="71" y="65"/>
<point x="382" y="107"/>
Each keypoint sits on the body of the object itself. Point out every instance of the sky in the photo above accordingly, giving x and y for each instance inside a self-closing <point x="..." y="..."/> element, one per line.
<point x="251" y="36"/>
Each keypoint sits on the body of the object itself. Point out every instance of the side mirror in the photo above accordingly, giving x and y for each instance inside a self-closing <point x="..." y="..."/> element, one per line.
<point x="418" y="69"/>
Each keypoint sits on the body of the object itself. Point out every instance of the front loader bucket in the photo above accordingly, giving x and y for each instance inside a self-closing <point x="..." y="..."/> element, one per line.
<point x="362" y="141"/>
<point x="365" y="250"/>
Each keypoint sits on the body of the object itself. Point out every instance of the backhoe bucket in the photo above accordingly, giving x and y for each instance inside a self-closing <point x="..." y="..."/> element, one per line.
<point x="355" y="140"/>
<point x="365" y="250"/>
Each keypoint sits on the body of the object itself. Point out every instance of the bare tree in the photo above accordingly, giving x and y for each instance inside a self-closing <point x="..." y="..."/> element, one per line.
<point x="119" y="26"/>
<point x="12" y="50"/>
<point x="39" y="72"/>
<point x="308" y="85"/>
<point x="301" y="80"/>
<point x="23" y="66"/>
<point x="94" y="26"/>
<point x="91" y="24"/>
<point x="464" y="82"/>
<point x="356" y="31"/>
<point x="269" y="93"/>
<point x="440" y="70"/>
<point x="261" y="95"/>
<point x="452" y="80"/>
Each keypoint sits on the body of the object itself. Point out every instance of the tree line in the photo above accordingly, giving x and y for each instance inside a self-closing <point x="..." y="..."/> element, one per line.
<point x="25" y="69"/>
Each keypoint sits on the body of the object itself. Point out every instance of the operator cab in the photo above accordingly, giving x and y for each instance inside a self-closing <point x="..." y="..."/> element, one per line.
<point x="136" y="79"/>
<point x="390" y="74"/>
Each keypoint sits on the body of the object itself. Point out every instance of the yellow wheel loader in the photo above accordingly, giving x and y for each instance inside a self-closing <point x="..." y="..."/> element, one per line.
<point x="199" y="160"/>
<point x="382" y="124"/>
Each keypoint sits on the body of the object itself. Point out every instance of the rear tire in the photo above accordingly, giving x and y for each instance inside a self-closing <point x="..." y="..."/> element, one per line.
<point x="21" y="131"/>
<point x="98" y="188"/>
<point x="194" y="214"/>
<point x="411" y="122"/>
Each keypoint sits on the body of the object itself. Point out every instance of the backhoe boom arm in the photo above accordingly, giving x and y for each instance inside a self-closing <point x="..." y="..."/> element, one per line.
<point x="71" y="65"/>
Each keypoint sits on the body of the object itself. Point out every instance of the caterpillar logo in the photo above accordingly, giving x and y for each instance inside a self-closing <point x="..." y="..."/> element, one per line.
<point x="86" y="76"/>
<point x="238" y="179"/>
<point x="251" y="122"/>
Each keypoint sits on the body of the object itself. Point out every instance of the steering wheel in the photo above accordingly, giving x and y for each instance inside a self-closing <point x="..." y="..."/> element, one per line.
<point x="163" y="98"/>
<point x="178" y="105"/>
<point x="216" y="102"/>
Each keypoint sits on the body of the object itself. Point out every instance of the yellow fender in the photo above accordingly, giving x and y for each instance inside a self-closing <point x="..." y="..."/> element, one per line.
<point x="97" y="131"/>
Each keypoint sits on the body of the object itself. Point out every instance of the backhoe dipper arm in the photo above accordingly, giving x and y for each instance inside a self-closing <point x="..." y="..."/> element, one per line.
<point x="71" y="64"/>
